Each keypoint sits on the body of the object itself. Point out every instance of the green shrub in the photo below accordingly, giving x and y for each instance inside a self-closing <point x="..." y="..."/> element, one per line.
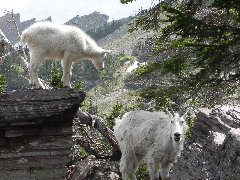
<point x="116" y="112"/>
<point x="82" y="152"/>
<point x="79" y="86"/>
<point x="2" y="83"/>
<point x="190" y="122"/>
<point x="55" y="81"/>
<point x="142" y="172"/>
<point x="89" y="106"/>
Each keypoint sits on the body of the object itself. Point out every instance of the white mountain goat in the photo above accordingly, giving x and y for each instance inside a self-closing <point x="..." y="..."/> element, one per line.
<point x="155" y="137"/>
<point x="47" y="40"/>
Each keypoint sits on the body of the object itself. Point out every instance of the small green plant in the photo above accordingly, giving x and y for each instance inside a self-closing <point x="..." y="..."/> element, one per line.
<point x="79" y="86"/>
<point x="2" y="83"/>
<point x="18" y="69"/>
<point x="56" y="77"/>
<point x="89" y="106"/>
<point x="142" y="172"/>
<point x="83" y="153"/>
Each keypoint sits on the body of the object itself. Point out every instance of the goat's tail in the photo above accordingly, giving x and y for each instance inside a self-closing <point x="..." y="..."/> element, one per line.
<point x="117" y="121"/>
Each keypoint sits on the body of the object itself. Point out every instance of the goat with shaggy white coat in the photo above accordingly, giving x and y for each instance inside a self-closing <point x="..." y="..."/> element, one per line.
<point x="155" y="137"/>
<point x="47" y="40"/>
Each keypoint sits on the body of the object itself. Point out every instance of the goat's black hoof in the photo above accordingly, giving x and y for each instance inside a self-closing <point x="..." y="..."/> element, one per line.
<point x="34" y="87"/>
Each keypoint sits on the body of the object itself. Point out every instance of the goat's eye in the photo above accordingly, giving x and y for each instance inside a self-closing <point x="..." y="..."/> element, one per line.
<point x="172" y="121"/>
<point x="182" y="122"/>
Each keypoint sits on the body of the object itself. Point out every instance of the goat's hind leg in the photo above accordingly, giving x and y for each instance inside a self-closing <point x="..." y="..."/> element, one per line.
<point x="35" y="61"/>
<point x="128" y="166"/>
<point x="67" y="70"/>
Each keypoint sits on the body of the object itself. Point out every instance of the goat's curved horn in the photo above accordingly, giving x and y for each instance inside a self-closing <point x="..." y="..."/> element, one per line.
<point x="185" y="114"/>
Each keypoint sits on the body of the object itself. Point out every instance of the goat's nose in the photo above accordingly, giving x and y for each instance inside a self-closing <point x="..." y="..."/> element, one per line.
<point x="177" y="134"/>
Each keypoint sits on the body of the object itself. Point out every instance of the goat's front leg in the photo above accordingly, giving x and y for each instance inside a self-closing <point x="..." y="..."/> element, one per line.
<point x="153" y="168"/>
<point x="67" y="71"/>
<point x="165" y="170"/>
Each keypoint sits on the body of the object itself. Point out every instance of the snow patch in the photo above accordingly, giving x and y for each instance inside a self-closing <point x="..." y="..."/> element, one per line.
<point x="135" y="65"/>
<point x="218" y="137"/>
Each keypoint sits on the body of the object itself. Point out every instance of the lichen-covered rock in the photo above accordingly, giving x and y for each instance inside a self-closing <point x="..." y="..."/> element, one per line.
<point x="95" y="169"/>
<point x="213" y="151"/>
<point x="36" y="133"/>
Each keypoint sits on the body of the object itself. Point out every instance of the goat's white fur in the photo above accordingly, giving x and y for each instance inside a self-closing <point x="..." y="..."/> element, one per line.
<point x="149" y="136"/>
<point x="47" y="40"/>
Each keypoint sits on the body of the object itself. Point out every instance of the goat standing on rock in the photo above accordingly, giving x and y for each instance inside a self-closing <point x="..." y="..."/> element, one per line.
<point x="63" y="42"/>
<point x="156" y="137"/>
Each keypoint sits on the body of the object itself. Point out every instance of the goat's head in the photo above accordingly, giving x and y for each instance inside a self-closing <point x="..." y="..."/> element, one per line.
<point x="178" y="127"/>
<point x="98" y="61"/>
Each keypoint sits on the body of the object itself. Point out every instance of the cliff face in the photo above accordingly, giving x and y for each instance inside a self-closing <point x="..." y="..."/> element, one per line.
<point x="8" y="26"/>
<point x="213" y="151"/>
<point x="10" y="22"/>
<point x="90" y="21"/>
<point x="36" y="133"/>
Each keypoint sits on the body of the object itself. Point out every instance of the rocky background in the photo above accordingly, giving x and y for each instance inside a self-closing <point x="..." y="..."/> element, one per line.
<point x="10" y="21"/>
<point x="116" y="39"/>
<point x="212" y="151"/>
<point x="88" y="22"/>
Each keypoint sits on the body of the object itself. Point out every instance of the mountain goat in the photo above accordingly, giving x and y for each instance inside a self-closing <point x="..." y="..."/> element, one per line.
<point x="155" y="137"/>
<point x="66" y="43"/>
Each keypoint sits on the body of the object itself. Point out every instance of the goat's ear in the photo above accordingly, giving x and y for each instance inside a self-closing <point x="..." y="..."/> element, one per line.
<point x="185" y="114"/>
<point x="169" y="113"/>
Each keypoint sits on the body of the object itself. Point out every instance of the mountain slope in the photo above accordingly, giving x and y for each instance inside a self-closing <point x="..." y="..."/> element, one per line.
<point x="88" y="22"/>
<point x="121" y="41"/>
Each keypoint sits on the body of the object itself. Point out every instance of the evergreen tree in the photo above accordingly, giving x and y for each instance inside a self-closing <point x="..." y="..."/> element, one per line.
<point x="14" y="74"/>
<point x="2" y="83"/>
<point x="199" y="46"/>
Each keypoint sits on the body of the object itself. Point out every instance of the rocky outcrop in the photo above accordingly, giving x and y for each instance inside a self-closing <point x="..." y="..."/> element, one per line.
<point x="36" y="133"/>
<point x="12" y="27"/>
<point x="213" y="151"/>
<point x="95" y="169"/>
<point x="90" y="21"/>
